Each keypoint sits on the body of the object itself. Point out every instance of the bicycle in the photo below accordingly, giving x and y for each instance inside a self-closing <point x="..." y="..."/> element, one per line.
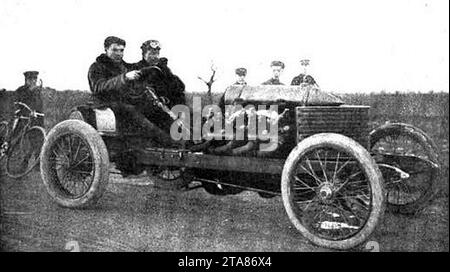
<point x="22" y="146"/>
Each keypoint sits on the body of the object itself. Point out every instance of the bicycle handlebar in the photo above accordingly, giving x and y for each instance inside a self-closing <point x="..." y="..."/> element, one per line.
<point x="23" y="105"/>
<point x="33" y="113"/>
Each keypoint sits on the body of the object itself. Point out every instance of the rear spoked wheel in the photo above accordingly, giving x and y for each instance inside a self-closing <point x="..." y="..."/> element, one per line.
<point x="24" y="153"/>
<point x="332" y="191"/>
<point x="410" y="150"/>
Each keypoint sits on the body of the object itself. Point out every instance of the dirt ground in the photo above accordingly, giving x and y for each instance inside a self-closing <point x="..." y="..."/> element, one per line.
<point x="134" y="215"/>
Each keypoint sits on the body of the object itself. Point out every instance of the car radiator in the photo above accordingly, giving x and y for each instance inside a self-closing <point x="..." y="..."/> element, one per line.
<point x="351" y="121"/>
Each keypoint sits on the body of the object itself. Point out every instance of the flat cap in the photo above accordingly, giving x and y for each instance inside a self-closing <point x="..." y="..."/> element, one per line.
<point x="241" y="71"/>
<point x="151" y="45"/>
<point x="31" y="74"/>
<point x="277" y="63"/>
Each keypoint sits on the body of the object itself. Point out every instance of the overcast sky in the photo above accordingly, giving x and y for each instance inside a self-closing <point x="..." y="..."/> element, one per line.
<point x="354" y="45"/>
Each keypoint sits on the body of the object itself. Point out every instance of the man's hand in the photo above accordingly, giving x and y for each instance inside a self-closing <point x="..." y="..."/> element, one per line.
<point x="133" y="75"/>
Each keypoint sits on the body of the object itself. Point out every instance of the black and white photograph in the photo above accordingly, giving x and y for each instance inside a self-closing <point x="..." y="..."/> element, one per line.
<point x="224" y="126"/>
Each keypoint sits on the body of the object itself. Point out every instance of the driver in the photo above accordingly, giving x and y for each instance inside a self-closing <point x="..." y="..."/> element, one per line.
<point x="111" y="79"/>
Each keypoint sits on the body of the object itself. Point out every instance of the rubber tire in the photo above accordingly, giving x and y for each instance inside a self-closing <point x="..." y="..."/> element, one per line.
<point x="367" y="163"/>
<point x="431" y="150"/>
<point x="42" y="131"/>
<point x="101" y="163"/>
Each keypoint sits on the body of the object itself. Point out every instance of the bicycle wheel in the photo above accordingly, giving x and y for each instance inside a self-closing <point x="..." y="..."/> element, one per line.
<point x="23" y="155"/>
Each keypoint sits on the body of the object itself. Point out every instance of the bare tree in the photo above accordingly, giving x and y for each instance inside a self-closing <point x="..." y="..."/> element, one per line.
<point x="210" y="83"/>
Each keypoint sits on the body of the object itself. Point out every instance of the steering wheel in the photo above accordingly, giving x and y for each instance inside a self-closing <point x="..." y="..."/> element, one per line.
<point x="149" y="74"/>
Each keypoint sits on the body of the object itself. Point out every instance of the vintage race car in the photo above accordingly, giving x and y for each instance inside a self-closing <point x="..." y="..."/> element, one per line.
<point x="334" y="175"/>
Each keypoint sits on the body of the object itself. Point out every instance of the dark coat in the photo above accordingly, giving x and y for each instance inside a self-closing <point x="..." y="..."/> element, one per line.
<point x="33" y="98"/>
<point x="303" y="79"/>
<point x="169" y="85"/>
<point x="166" y="85"/>
<point x="30" y="96"/>
<point x="298" y="80"/>
<point x="272" y="81"/>
<point x="107" y="80"/>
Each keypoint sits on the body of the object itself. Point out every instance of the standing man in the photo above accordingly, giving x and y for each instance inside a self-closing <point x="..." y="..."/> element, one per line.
<point x="241" y="73"/>
<point x="30" y="94"/>
<point x="277" y="69"/>
<point x="304" y="78"/>
<point x="111" y="80"/>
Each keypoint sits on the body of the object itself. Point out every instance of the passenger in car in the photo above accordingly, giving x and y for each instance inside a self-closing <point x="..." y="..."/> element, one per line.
<point x="169" y="87"/>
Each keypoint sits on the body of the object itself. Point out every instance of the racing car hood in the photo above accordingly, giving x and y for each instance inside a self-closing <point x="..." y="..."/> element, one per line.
<point x="301" y="95"/>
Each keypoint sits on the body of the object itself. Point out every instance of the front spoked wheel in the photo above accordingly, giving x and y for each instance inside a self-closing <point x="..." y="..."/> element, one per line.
<point x="332" y="191"/>
<point x="74" y="164"/>
<point x="24" y="153"/>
